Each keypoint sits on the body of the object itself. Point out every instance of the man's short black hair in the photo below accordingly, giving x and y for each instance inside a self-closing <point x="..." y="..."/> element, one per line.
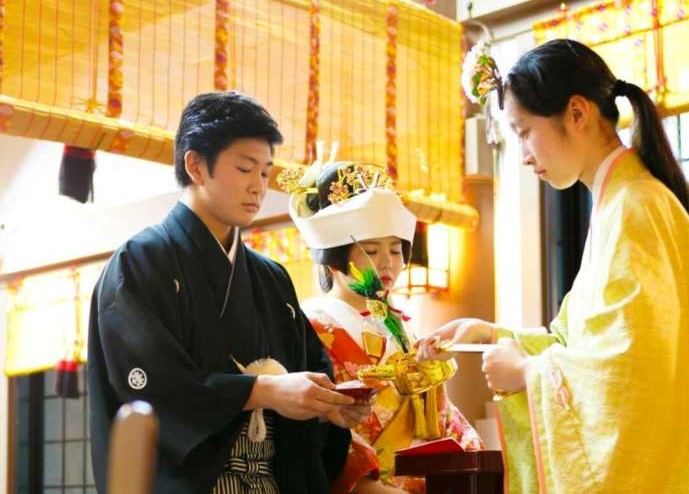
<point x="212" y="121"/>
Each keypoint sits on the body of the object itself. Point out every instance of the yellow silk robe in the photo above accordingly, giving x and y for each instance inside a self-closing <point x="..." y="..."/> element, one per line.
<point x="606" y="410"/>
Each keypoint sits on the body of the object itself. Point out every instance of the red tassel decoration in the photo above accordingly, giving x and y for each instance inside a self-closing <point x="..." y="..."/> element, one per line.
<point x="76" y="173"/>
<point x="67" y="378"/>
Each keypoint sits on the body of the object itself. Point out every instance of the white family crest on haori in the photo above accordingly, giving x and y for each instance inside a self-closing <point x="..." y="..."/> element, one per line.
<point x="137" y="378"/>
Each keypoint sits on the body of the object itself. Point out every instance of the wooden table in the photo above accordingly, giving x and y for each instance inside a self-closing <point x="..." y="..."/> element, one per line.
<point x="476" y="472"/>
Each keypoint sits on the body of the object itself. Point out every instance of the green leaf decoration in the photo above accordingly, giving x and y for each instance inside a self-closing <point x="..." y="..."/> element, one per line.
<point x="367" y="284"/>
<point x="394" y="325"/>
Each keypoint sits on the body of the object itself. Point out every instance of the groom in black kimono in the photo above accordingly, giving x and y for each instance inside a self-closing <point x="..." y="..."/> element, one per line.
<point x="183" y="308"/>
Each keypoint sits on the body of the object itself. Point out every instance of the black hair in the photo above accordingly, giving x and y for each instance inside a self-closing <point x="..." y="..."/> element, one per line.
<point x="334" y="257"/>
<point x="212" y="121"/>
<point x="545" y="78"/>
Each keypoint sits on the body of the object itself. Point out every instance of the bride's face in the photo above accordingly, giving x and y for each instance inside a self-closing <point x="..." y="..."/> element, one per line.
<point x="386" y="255"/>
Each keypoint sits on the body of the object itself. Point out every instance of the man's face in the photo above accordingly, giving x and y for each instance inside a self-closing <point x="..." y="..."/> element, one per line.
<point x="235" y="191"/>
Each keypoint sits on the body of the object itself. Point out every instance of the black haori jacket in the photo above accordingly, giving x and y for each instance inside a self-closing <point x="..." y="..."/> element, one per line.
<point x="164" y="329"/>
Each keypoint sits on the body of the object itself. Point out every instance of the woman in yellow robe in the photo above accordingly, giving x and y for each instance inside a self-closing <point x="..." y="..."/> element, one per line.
<point x="353" y="220"/>
<point x="600" y="403"/>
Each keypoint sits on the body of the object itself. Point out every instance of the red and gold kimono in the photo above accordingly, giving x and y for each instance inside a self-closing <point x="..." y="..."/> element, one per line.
<point x="355" y="340"/>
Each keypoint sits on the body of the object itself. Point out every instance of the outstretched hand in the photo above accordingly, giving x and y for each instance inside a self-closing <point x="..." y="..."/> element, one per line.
<point x="466" y="330"/>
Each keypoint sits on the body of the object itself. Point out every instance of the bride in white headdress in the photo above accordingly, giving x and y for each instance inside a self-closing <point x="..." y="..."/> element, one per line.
<point x="353" y="220"/>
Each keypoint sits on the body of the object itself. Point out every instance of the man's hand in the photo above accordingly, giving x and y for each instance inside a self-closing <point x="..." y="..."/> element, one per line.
<point x="297" y="395"/>
<point x="349" y="416"/>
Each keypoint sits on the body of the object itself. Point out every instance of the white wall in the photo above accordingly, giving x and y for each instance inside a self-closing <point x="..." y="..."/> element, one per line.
<point x="518" y="253"/>
<point x="42" y="228"/>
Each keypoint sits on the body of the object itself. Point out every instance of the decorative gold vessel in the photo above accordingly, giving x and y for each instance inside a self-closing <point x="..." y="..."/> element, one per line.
<point x="408" y="375"/>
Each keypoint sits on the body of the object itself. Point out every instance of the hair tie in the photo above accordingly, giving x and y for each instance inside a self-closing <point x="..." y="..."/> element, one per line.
<point x="620" y="88"/>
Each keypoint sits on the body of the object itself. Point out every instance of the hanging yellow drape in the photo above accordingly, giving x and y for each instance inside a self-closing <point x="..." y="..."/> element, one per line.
<point x="639" y="39"/>
<point x="381" y="77"/>
<point x="47" y="317"/>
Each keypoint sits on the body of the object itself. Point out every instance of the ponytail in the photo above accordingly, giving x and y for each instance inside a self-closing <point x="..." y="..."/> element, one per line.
<point x="651" y="143"/>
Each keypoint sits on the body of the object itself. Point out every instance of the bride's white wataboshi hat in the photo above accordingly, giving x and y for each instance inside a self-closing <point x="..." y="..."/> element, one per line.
<point x="363" y="205"/>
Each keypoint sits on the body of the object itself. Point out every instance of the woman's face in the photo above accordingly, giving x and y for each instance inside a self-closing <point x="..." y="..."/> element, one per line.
<point x="545" y="145"/>
<point x="385" y="254"/>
